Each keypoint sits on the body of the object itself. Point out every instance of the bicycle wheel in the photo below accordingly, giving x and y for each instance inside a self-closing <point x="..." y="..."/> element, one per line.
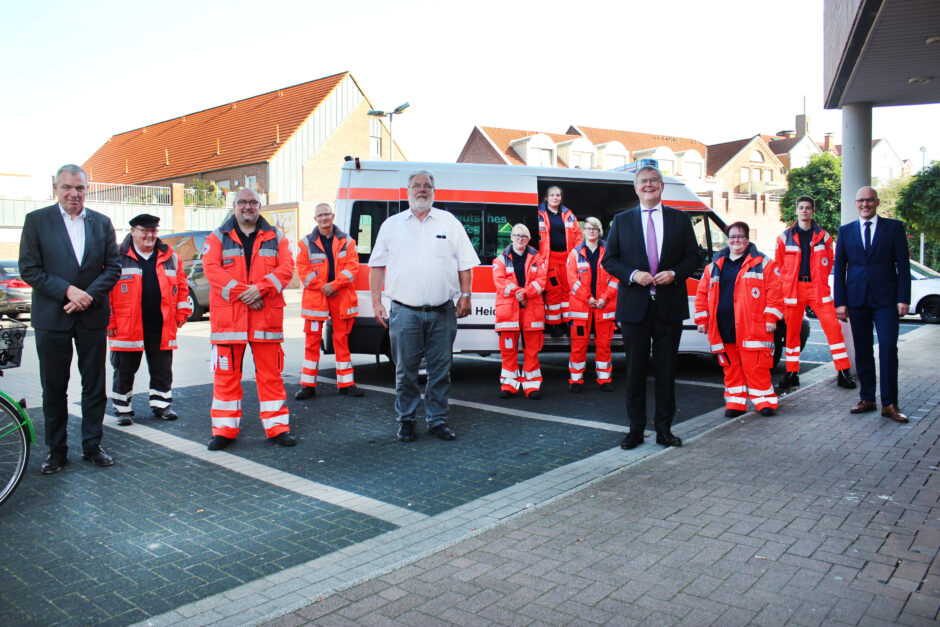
<point x="14" y="449"/>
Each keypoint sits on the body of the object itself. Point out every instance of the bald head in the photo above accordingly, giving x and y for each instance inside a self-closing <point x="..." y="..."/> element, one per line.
<point x="866" y="202"/>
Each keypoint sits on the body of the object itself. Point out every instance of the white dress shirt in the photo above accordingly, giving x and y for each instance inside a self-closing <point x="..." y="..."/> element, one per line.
<point x="861" y="228"/>
<point x="76" y="230"/>
<point x="422" y="258"/>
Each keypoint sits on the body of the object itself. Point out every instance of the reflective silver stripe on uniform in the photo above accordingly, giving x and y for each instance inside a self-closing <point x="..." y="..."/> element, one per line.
<point x="172" y="344"/>
<point x="738" y="389"/>
<point x="271" y="405"/>
<point x="580" y="365"/>
<point x="603" y="374"/>
<point x="554" y="307"/>
<point x="352" y="310"/>
<point x="528" y="385"/>
<point x="228" y="288"/>
<point x="267" y="252"/>
<point x="538" y="325"/>
<point x="347" y="274"/>
<point x="130" y="271"/>
<point x="277" y="284"/>
<point x="700" y="314"/>
<point x="574" y="288"/>
<point x="789" y="301"/>
<point x="576" y="376"/>
<point x="774" y="312"/>
<point x="316" y="256"/>
<point x="754" y="344"/>
<point x="274" y="421"/>
<point x="578" y="314"/>
<point x="170" y="272"/>
<point x="309" y="278"/>
<point x="768" y="392"/>
<point x="268" y="335"/>
<point x="182" y="305"/>
<point x="717" y="347"/>
<point x="343" y="365"/>
<point x="506" y="325"/>
<point x="312" y="312"/>
<point x="614" y="284"/>
<point x="819" y="247"/>
<point x="508" y="374"/>
<point x="736" y="399"/>
<point x="344" y="378"/>
<point x="342" y="253"/>
<point x="827" y="299"/>
<point x="308" y="378"/>
<point x="236" y="336"/>
<point x="793" y="249"/>
<point x="537" y="286"/>
<point x="532" y="374"/>
<point x="754" y="275"/>
<point x="226" y="405"/>
<point x="233" y="252"/>
<point x="120" y="397"/>
<point x="312" y="365"/>
<point x="125" y="344"/>
<point x="219" y="423"/>
<point x="608" y="315"/>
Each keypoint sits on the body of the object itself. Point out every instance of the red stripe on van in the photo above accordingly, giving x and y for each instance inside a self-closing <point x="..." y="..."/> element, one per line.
<point x="443" y="195"/>
<point x="686" y="204"/>
<point x="482" y="279"/>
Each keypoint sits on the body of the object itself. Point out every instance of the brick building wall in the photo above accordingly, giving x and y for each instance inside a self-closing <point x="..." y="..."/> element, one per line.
<point x="479" y="150"/>
<point x="761" y="214"/>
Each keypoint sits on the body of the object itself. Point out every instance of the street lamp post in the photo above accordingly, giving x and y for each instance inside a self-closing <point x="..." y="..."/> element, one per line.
<point x="923" y="164"/>
<point x="375" y="113"/>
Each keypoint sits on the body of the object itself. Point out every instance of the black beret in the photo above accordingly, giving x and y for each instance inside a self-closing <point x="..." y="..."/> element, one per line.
<point x="145" y="220"/>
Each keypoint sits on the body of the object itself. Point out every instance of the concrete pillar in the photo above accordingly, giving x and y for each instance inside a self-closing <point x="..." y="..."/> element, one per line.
<point x="856" y="155"/>
<point x="177" y="194"/>
<point x="856" y="173"/>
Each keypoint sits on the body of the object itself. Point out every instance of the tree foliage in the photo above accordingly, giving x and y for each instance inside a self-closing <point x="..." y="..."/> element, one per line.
<point x="821" y="178"/>
<point x="919" y="202"/>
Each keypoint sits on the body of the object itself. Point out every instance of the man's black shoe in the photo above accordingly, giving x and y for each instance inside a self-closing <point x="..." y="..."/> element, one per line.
<point x="845" y="379"/>
<point x="789" y="380"/>
<point x="767" y="411"/>
<point x="733" y="413"/>
<point x="576" y="388"/>
<point x="406" y="431"/>
<point x="219" y="442"/>
<point x="285" y="439"/>
<point x="54" y="463"/>
<point x="534" y="395"/>
<point x="443" y="432"/>
<point x="305" y="392"/>
<point x="98" y="457"/>
<point x="606" y="386"/>
<point x="668" y="440"/>
<point x="165" y="414"/>
<point x="352" y="390"/>
<point x="124" y="420"/>
<point x="506" y="394"/>
<point x="630" y="442"/>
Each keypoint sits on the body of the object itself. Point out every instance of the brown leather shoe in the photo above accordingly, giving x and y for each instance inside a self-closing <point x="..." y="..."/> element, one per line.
<point x="864" y="406"/>
<point x="891" y="411"/>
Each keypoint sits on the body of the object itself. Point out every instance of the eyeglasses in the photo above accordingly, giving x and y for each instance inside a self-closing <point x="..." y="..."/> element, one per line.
<point x="421" y="186"/>
<point x="737" y="237"/>
<point x="147" y="231"/>
<point x="592" y="228"/>
<point x="520" y="236"/>
<point x="864" y="200"/>
<point x="254" y="204"/>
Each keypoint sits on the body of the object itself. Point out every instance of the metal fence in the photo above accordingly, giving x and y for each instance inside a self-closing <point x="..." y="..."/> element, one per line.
<point x="127" y="194"/>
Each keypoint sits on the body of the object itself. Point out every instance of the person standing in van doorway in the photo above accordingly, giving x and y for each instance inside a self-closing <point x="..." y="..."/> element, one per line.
<point x="148" y="305"/>
<point x="559" y="233"/>
<point x="651" y="251"/>
<point x="327" y="263"/>
<point x="248" y="264"/>
<point x="804" y="262"/>
<point x="424" y="259"/>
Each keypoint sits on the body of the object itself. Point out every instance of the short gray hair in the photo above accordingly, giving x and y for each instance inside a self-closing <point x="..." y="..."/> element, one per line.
<point x="651" y="168"/>
<point x="418" y="173"/>
<point x="71" y="168"/>
<point x="322" y="204"/>
<point x="521" y="227"/>
<point x="595" y="223"/>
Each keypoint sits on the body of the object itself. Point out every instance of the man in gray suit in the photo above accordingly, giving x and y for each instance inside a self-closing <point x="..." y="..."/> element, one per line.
<point x="69" y="255"/>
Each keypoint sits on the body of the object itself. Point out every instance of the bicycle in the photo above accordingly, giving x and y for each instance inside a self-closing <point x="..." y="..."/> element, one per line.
<point x="16" y="430"/>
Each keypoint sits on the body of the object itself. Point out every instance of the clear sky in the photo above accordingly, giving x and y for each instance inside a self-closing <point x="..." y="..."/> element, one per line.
<point x="77" y="73"/>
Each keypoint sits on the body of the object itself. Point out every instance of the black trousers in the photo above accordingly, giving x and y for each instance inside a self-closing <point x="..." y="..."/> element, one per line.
<point x="126" y="364"/>
<point x="54" y="349"/>
<point x="663" y="336"/>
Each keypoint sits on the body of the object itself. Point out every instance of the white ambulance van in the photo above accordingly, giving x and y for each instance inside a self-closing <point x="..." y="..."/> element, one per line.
<point x="489" y="200"/>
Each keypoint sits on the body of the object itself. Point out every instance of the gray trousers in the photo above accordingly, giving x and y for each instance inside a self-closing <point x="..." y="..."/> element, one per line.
<point x="429" y="334"/>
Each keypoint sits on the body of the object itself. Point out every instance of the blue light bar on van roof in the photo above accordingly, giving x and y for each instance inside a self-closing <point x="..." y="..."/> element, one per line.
<point x="636" y="165"/>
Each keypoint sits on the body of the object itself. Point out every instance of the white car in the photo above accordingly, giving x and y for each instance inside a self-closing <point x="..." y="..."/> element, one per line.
<point x="925" y="292"/>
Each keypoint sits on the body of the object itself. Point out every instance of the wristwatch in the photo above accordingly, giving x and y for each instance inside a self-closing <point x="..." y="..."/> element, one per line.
<point x="465" y="295"/>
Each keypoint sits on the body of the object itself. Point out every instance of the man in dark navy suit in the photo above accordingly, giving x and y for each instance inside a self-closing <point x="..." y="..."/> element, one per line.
<point x="872" y="280"/>
<point x="69" y="255"/>
<point x="651" y="249"/>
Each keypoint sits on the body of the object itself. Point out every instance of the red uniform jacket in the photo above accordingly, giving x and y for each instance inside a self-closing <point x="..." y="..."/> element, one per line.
<point x="579" y="278"/>
<point x="573" y="235"/>
<point x="788" y="258"/>
<point x="313" y="270"/>
<point x="508" y="311"/>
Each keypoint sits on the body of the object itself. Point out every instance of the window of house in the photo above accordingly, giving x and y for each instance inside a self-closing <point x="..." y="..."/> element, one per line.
<point x="540" y="157"/>
<point x="375" y="139"/>
<point x="583" y="160"/>
<point x="757" y="156"/>
<point x="614" y="161"/>
<point x="224" y="186"/>
<point x="251" y="182"/>
<point x="745" y="175"/>
<point x="667" y="166"/>
<point x="692" y="170"/>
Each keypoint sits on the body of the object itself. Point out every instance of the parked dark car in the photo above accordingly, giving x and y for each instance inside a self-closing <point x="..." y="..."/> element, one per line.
<point x="15" y="293"/>
<point x="189" y="245"/>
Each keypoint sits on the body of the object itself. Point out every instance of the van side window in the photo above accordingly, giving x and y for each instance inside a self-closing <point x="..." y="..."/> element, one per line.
<point x="719" y="239"/>
<point x="489" y="225"/>
<point x="367" y="217"/>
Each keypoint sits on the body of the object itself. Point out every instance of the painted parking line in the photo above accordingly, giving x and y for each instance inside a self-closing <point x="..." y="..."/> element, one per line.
<point x="341" y="498"/>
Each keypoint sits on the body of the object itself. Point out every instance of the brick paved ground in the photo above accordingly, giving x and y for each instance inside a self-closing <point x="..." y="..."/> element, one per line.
<point x="811" y="517"/>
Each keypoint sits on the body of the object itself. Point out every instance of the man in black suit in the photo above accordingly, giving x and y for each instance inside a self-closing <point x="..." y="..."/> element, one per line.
<point x="651" y="250"/>
<point x="872" y="281"/>
<point x="69" y="255"/>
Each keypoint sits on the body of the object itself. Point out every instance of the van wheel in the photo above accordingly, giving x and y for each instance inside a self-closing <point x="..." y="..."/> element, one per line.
<point x="930" y="310"/>
<point x="194" y="305"/>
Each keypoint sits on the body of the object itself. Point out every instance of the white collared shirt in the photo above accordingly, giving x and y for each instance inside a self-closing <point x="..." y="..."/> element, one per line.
<point x="422" y="258"/>
<point x="76" y="230"/>
<point x="861" y="227"/>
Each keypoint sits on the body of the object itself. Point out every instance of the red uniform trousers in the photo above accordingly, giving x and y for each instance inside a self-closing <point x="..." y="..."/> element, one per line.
<point x="313" y="332"/>
<point x="747" y="373"/>
<point x="531" y="377"/>
<point x="556" y="296"/>
<point x="826" y="313"/>
<point x="227" y="388"/>
<point x="580" y="337"/>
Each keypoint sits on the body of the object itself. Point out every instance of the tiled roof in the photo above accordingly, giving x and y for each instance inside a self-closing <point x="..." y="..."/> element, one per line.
<point x="503" y="137"/>
<point x="639" y="141"/>
<point x="783" y="146"/>
<point x="720" y="154"/>
<point x="233" y="134"/>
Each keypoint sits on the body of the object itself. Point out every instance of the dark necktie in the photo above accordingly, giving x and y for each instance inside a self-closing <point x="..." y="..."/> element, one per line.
<point x="868" y="235"/>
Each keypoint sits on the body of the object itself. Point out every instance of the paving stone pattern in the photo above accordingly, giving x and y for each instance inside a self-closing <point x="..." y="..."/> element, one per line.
<point x="153" y="532"/>
<point x="815" y="516"/>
